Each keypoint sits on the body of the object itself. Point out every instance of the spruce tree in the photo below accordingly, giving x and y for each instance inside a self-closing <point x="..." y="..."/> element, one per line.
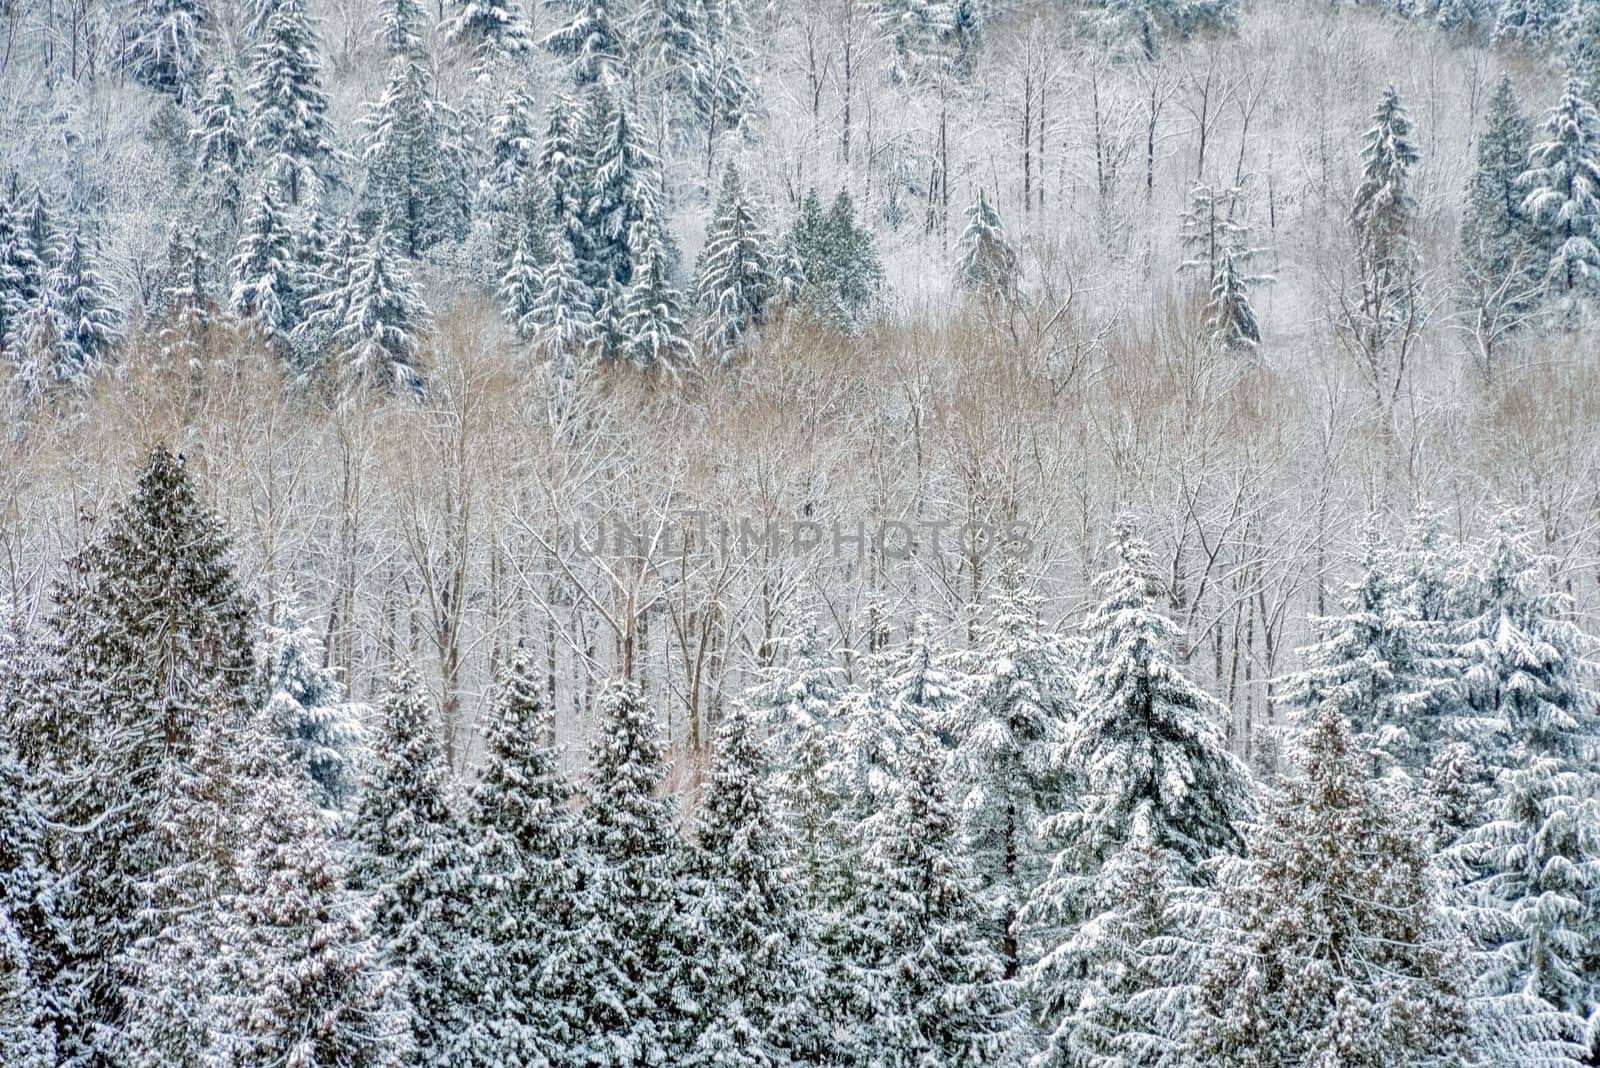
<point x="722" y="89"/>
<point x="322" y="730"/>
<point x="265" y="270"/>
<point x="734" y="280"/>
<point x="563" y="319"/>
<point x="1563" y="199"/>
<point x="590" y="39"/>
<point x="496" y="23"/>
<point x="986" y="262"/>
<point x="627" y="936"/>
<point x="20" y="271"/>
<point x="1153" y="777"/>
<point x="652" y="321"/>
<point x="416" y="182"/>
<point x="524" y="863"/>
<point x="1386" y="261"/>
<point x="1531" y="24"/>
<point x="1581" y="30"/>
<point x="29" y="927"/>
<point x="68" y="336"/>
<point x="379" y="342"/>
<point x="153" y="641"/>
<point x="1529" y="900"/>
<point x="622" y="194"/>
<point x="520" y="287"/>
<point x="1005" y="737"/>
<point x="758" y="971"/>
<point x="410" y="858"/>
<point x="1500" y="248"/>
<point x="838" y="259"/>
<point x="1231" y="318"/>
<point x="511" y="150"/>
<point x="1338" y="953"/>
<point x="166" y="44"/>
<point x="290" y="135"/>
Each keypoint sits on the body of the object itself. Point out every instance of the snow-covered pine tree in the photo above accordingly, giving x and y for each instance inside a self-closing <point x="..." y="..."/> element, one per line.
<point x="511" y="149"/>
<point x="838" y="259"/>
<point x="1563" y="195"/>
<point x="733" y="279"/>
<point x="1581" y="31"/>
<point x="1531" y="24"/>
<point x="166" y="44"/>
<point x="520" y="287"/>
<point x="1149" y="764"/>
<point x="1529" y="901"/>
<point x="1231" y="318"/>
<point x="290" y="135"/>
<point x="496" y="23"/>
<point x="1380" y="663"/>
<point x="721" y="87"/>
<point x="589" y="37"/>
<point x="1338" y="953"/>
<point x="379" y="343"/>
<point x="796" y="703"/>
<point x="400" y="25"/>
<point x="1381" y="216"/>
<point x="20" y="271"/>
<point x="265" y="272"/>
<point x="652" y="318"/>
<point x="626" y="935"/>
<point x="524" y="866"/>
<point x="1503" y="264"/>
<point x="69" y="335"/>
<point x="1527" y="683"/>
<point x="417" y="172"/>
<point x="670" y="39"/>
<point x="622" y="193"/>
<point x="914" y="30"/>
<point x="563" y="321"/>
<point x="323" y="730"/>
<point x="409" y="856"/>
<point x="938" y="979"/>
<point x="153" y="640"/>
<point x="1005" y="736"/>
<point x="29" y="930"/>
<point x="757" y="972"/>
<point x="986" y="262"/>
<point x="187" y="299"/>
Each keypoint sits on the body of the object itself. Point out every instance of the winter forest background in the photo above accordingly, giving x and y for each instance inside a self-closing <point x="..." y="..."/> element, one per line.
<point x="442" y="618"/>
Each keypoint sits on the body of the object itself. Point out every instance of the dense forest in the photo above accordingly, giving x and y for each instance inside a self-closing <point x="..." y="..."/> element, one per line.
<point x="884" y="533"/>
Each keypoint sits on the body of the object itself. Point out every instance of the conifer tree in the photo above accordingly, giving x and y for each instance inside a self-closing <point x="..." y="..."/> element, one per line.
<point x="133" y="691"/>
<point x="497" y="23"/>
<point x="29" y="928"/>
<point x="524" y="863"/>
<point x="1529" y="900"/>
<point x="1563" y="199"/>
<point x="410" y="858"/>
<point x="734" y="278"/>
<point x="166" y="44"/>
<point x="380" y="340"/>
<point x="1582" y="33"/>
<point x="511" y="150"/>
<point x="986" y="262"/>
<point x="20" y="273"/>
<point x="322" y="730"/>
<point x="1153" y="778"/>
<point x="401" y="26"/>
<point x="721" y="88"/>
<point x="290" y="135"/>
<point x="670" y="36"/>
<point x="1005" y="736"/>
<point x="563" y="319"/>
<point x="622" y="182"/>
<point x="942" y="995"/>
<point x="520" y="287"/>
<point x="652" y="321"/>
<point x="416" y="181"/>
<point x="1527" y="683"/>
<point x="838" y="259"/>
<point x="265" y="271"/>
<point x="1339" y="954"/>
<point x="627" y="936"/>
<point x="1501" y="251"/>
<point x="1229" y="314"/>
<point x="590" y="39"/>
<point x="68" y="336"/>
<point x="758" y="970"/>
<point x="1531" y="24"/>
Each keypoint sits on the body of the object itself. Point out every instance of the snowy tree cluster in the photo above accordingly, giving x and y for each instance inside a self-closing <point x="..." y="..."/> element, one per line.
<point x="1035" y="847"/>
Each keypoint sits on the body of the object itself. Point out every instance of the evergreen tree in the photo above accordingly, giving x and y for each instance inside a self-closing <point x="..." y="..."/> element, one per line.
<point x="1338" y="956"/>
<point x="520" y="287"/>
<point x="498" y="23"/>
<point x="1229" y="314"/>
<point x="591" y="42"/>
<point x="153" y="641"/>
<point x="1154" y="779"/>
<point x="1006" y="735"/>
<point x="757" y="970"/>
<point x="165" y="44"/>
<point x="1527" y="683"/>
<point x="734" y="278"/>
<point x="1530" y="903"/>
<point x="940" y="982"/>
<point x="1563" y="200"/>
<point x="511" y="151"/>
<point x="68" y="336"/>
<point x="379" y="342"/>
<point x="401" y="24"/>
<point x="416" y="169"/>
<point x="1582" y="33"/>
<point x="563" y="319"/>
<point x="188" y="302"/>
<point x="524" y="861"/>
<point x="325" y="305"/>
<point x="29" y="929"/>
<point x="986" y="262"/>
<point x="410" y="857"/>
<point x="670" y="39"/>
<point x="1531" y="24"/>
<point x="721" y="88"/>
<point x="622" y="182"/>
<point x="1500" y="248"/>
<point x="626" y="933"/>
<point x="838" y="259"/>
<point x="265" y="272"/>
<point x="290" y="134"/>
<point x="652" y="322"/>
<point x="20" y="272"/>
<point x="323" y="730"/>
